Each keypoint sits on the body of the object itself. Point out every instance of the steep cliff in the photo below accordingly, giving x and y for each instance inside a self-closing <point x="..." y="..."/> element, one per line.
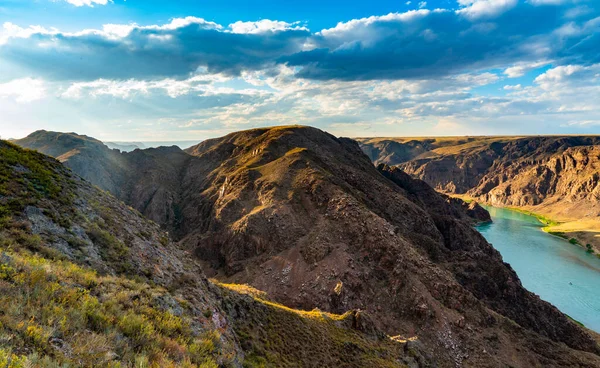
<point x="307" y="218"/>
<point x="86" y="281"/>
<point x="554" y="176"/>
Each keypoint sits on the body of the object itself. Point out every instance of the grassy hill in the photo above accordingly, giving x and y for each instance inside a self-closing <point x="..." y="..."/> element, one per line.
<point x="86" y="281"/>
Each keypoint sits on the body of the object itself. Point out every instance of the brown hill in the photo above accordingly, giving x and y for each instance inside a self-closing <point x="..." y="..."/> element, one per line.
<point x="86" y="281"/>
<point x="306" y="217"/>
<point x="145" y="179"/>
<point x="554" y="176"/>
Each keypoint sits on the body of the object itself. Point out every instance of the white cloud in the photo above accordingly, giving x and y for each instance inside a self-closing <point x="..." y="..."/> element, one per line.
<point x="11" y="30"/>
<point x="91" y="3"/>
<point x="201" y="83"/>
<point x="422" y="4"/>
<point x="475" y="9"/>
<point x="521" y="69"/>
<point x="560" y="74"/>
<point x="264" y="25"/>
<point x="23" y="90"/>
<point x="360" y="25"/>
<point x="549" y="2"/>
<point x="583" y="122"/>
<point x="515" y="87"/>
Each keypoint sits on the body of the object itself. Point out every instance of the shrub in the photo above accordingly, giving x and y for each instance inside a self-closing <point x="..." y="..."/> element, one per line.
<point x="10" y="360"/>
<point x="111" y="248"/>
<point x="58" y="300"/>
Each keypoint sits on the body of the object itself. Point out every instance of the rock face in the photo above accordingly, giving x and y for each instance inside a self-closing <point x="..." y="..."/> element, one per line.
<point x="426" y="196"/>
<point x="87" y="281"/>
<point x="148" y="180"/>
<point x="306" y="217"/>
<point x="569" y="178"/>
<point x="553" y="175"/>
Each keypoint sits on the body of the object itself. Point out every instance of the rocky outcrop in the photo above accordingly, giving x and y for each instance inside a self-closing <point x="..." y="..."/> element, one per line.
<point x="553" y="175"/>
<point x="474" y="210"/>
<point x="87" y="281"/>
<point x="427" y="197"/>
<point x="390" y="152"/>
<point x="306" y="217"/>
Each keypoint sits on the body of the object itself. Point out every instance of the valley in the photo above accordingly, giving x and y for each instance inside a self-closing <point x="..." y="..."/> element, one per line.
<point x="554" y="177"/>
<point x="306" y="221"/>
<point x="300" y="184"/>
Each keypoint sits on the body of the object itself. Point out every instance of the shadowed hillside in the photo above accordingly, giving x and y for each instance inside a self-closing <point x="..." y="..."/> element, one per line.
<point x="307" y="218"/>
<point x="553" y="176"/>
<point x="87" y="281"/>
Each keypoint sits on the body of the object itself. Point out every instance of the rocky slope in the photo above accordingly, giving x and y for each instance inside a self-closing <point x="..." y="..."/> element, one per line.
<point x="558" y="177"/>
<point x="394" y="151"/>
<point x="86" y="281"/>
<point x="307" y="218"/>
<point x="145" y="179"/>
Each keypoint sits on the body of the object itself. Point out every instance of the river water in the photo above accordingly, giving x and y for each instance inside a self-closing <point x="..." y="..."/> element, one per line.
<point x="559" y="272"/>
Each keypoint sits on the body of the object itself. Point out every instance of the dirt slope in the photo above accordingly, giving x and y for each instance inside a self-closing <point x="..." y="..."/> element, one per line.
<point x="306" y="217"/>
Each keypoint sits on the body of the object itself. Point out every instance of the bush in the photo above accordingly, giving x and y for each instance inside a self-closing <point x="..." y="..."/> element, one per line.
<point x="10" y="360"/>
<point x="111" y="248"/>
<point x="56" y="300"/>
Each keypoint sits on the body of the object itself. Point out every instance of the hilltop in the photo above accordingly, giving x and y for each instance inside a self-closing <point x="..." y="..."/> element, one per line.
<point x="306" y="217"/>
<point x="88" y="281"/>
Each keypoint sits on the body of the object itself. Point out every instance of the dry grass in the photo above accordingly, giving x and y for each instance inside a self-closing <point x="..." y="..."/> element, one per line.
<point x="261" y="297"/>
<point x="273" y="335"/>
<point x="68" y="314"/>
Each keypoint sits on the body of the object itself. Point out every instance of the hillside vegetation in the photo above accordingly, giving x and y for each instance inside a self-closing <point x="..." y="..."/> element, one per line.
<point x="307" y="218"/>
<point x="86" y="281"/>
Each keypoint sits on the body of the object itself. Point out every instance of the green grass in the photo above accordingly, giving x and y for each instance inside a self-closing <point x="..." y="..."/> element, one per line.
<point x="541" y="218"/>
<point x="273" y="335"/>
<point x="35" y="175"/>
<point x="574" y="320"/>
<point x="556" y="233"/>
<point x="112" y="249"/>
<point x="71" y="315"/>
<point x="548" y="228"/>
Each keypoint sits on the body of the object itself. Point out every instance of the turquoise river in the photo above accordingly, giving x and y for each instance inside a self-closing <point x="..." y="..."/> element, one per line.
<point x="559" y="272"/>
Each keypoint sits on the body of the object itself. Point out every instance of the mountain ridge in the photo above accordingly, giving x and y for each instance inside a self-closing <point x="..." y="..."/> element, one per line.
<point x="553" y="176"/>
<point x="306" y="217"/>
<point x="87" y="281"/>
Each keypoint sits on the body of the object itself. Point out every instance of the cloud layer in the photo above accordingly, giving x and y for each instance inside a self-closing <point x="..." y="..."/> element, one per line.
<point x="419" y="43"/>
<point x="87" y="2"/>
<point x="485" y="66"/>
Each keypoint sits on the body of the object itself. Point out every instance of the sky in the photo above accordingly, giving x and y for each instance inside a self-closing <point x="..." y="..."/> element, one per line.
<point x="154" y="70"/>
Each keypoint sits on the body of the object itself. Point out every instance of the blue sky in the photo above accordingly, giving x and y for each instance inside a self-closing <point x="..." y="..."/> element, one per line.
<point x="179" y="70"/>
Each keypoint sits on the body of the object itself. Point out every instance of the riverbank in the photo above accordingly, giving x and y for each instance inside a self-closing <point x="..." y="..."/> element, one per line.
<point x="583" y="232"/>
<point x="560" y="273"/>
